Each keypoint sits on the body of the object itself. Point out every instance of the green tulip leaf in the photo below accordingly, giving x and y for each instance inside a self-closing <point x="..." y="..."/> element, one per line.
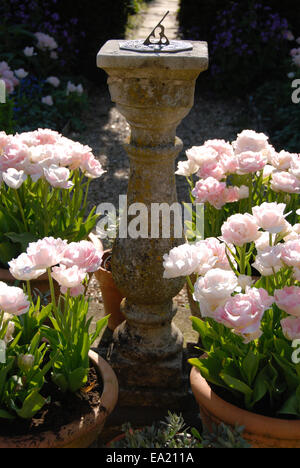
<point x="236" y="384"/>
<point x="8" y="251"/>
<point x="291" y="406"/>
<point x="6" y="415"/>
<point x="77" y="379"/>
<point x="31" y="405"/>
<point x="24" y="239"/>
<point x="210" y="370"/>
<point x="250" y="366"/>
<point x="60" y="380"/>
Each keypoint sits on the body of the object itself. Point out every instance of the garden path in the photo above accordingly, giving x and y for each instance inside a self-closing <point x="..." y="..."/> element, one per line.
<point x="106" y="129"/>
<point x="154" y="14"/>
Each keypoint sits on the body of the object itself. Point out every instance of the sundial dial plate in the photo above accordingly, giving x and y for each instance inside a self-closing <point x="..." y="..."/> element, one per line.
<point x="138" y="45"/>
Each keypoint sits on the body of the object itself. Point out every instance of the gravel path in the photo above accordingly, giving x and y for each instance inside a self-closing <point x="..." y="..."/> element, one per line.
<point x="107" y="129"/>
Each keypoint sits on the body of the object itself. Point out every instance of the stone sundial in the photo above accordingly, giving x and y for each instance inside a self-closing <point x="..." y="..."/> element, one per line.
<point x="152" y="83"/>
<point x="153" y="45"/>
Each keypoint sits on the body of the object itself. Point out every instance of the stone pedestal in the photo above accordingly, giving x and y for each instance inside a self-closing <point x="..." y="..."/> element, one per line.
<point x="154" y="91"/>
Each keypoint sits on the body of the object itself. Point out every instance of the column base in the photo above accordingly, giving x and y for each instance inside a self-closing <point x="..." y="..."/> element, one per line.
<point x="152" y="397"/>
<point x="169" y="388"/>
<point x="158" y="375"/>
<point x="144" y="406"/>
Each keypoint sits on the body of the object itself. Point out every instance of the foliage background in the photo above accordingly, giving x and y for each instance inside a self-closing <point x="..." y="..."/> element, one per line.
<point x="250" y="58"/>
<point x="80" y="29"/>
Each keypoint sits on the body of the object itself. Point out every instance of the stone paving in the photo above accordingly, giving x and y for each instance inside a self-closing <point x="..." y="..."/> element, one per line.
<point x="155" y="12"/>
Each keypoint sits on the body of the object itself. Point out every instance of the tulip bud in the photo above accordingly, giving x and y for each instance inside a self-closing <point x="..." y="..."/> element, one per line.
<point x="25" y="362"/>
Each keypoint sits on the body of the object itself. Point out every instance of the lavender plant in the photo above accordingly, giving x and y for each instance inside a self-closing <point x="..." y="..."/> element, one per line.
<point x="44" y="16"/>
<point x="37" y="48"/>
<point x="282" y="95"/>
<point x="248" y="45"/>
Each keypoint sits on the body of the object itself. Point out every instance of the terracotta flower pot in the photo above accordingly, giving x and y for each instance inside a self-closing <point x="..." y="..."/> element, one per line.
<point x="111" y="296"/>
<point x="259" y="431"/>
<point x="80" y="433"/>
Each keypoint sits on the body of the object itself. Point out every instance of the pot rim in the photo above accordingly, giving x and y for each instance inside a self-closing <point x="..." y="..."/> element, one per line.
<point x="232" y="415"/>
<point x="88" y="423"/>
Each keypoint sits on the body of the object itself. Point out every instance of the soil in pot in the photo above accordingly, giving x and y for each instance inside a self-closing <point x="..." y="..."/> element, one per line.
<point x="87" y="412"/>
<point x="62" y="409"/>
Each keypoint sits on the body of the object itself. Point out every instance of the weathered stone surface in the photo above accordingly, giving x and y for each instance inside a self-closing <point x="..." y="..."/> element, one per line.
<point x="110" y="56"/>
<point x="154" y="92"/>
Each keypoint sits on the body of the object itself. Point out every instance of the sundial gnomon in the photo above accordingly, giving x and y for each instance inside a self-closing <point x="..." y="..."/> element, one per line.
<point x="155" y="45"/>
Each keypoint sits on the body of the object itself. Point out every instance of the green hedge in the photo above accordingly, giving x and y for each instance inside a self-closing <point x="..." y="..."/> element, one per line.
<point x="250" y="57"/>
<point x="80" y="27"/>
<point x="246" y="42"/>
<point x="101" y="20"/>
<point x="198" y="14"/>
